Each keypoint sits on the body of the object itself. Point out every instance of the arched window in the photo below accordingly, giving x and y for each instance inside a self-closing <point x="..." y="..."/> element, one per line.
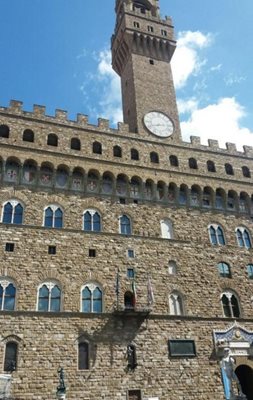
<point x="172" y="268"/>
<point x="246" y="172"/>
<point x="52" y="140"/>
<point x="28" y="136"/>
<point x="183" y="191"/>
<point x="243" y="237"/>
<point x="229" y="169"/>
<point x="117" y="152"/>
<point x="210" y="166"/>
<point x="12" y="212"/>
<point x="83" y="356"/>
<point x="230" y="305"/>
<point x="134" y="154"/>
<point x="154" y="158"/>
<point x="91" y="221"/>
<point x="11" y="356"/>
<point x="224" y="270"/>
<point x="250" y="271"/>
<point x="166" y="229"/>
<point x="193" y="163"/>
<point x="176" y="304"/>
<point x="91" y="299"/>
<point x="49" y="297"/>
<point x="53" y="217"/>
<point x="173" y="161"/>
<point x="7" y="295"/>
<point x="62" y="177"/>
<point x="4" y="131"/>
<point x="75" y="144"/>
<point x="216" y="235"/>
<point x="125" y="225"/>
<point x="97" y="148"/>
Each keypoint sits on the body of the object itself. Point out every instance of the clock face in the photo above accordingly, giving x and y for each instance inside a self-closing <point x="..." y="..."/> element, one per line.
<point x="159" y="124"/>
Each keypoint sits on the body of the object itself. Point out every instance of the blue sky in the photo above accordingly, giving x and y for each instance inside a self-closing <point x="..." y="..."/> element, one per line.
<point x="56" y="53"/>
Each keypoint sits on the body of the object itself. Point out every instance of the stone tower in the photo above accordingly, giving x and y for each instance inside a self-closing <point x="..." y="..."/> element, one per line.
<point x="142" y="47"/>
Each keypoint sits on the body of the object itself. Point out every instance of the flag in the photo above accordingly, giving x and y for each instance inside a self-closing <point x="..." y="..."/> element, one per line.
<point x="151" y="298"/>
<point x="134" y="293"/>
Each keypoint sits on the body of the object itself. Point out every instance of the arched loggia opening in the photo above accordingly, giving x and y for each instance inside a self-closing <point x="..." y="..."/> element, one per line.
<point x="245" y="375"/>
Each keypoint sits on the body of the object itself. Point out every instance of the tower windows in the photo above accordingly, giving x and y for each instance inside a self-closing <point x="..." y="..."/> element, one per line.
<point x="166" y="229"/>
<point x="173" y="161"/>
<point x="91" y="221"/>
<point x="176" y="304"/>
<point x="75" y="144"/>
<point x="49" y="297"/>
<point x="52" y="140"/>
<point x="216" y="235"/>
<point x="134" y="154"/>
<point x="97" y="148"/>
<point x="83" y="356"/>
<point x="11" y="356"/>
<point x="91" y="299"/>
<point x="154" y="158"/>
<point x="243" y="237"/>
<point x="117" y="151"/>
<point x="229" y="169"/>
<point x="230" y="305"/>
<point x="125" y="225"/>
<point x="136" y="24"/>
<point x="12" y="212"/>
<point x="250" y="271"/>
<point x="164" y="32"/>
<point x="4" y="131"/>
<point x="224" y="270"/>
<point x="193" y="163"/>
<point x="28" y="136"/>
<point x="151" y="61"/>
<point x="150" y="29"/>
<point x="246" y="172"/>
<point x="7" y="295"/>
<point x="53" y="217"/>
<point x="210" y="166"/>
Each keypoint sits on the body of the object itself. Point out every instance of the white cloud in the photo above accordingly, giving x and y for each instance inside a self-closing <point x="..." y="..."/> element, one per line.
<point x="220" y="121"/>
<point x="186" y="60"/>
<point x="232" y="79"/>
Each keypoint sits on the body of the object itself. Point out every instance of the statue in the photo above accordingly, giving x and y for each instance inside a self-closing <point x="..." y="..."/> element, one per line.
<point x="61" y="389"/>
<point x="229" y="376"/>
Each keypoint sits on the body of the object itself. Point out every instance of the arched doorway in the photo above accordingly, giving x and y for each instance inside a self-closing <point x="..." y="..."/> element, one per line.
<point x="245" y="375"/>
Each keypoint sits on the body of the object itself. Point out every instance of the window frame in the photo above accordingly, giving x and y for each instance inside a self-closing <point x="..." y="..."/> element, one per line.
<point x="80" y="343"/>
<point x="50" y="286"/>
<point x="217" y="228"/>
<point x="5" y="283"/>
<point x="243" y="230"/>
<point x="54" y="208"/>
<point x="222" y="268"/>
<point x="11" y="341"/>
<point x="92" y="286"/>
<point x="229" y="294"/>
<point x="92" y="212"/>
<point x="182" y="355"/>
<point x="129" y="225"/>
<point x="14" y="203"/>
<point x="178" y="304"/>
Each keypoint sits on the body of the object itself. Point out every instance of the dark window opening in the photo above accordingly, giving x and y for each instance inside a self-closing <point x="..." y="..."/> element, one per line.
<point x="4" y="131"/>
<point x="211" y="166"/>
<point x="150" y="28"/>
<point x="135" y="201"/>
<point x="92" y="253"/>
<point x="246" y="172"/>
<point x="134" y="395"/>
<point x="130" y="273"/>
<point x="117" y="152"/>
<point x="229" y="169"/>
<point x="134" y="154"/>
<point x="52" y="250"/>
<point x="52" y="140"/>
<point x="75" y="144"/>
<point x="163" y="32"/>
<point x="154" y="158"/>
<point x="122" y="200"/>
<point x="97" y="148"/>
<point x="151" y="62"/>
<point x="136" y="24"/>
<point x="10" y="359"/>
<point x="9" y="247"/>
<point x="28" y="136"/>
<point x="129" y="301"/>
<point x="83" y="356"/>
<point x="193" y="163"/>
<point x="174" y="161"/>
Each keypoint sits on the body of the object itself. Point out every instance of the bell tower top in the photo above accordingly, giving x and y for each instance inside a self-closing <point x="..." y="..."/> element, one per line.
<point x="151" y="6"/>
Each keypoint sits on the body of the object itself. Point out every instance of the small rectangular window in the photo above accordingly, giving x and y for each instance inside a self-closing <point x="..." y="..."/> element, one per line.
<point x="9" y="247"/>
<point x="92" y="253"/>
<point x="130" y="253"/>
<point x="182" y="348"/>
<point x="150" y="28"/>
<point x="151" y="62"/>
<point x="122" y="200"/>
<point x="130" y="273"/>
<point x="136" y="24"/>
<point x="52" y="250"/>
<point x="163" y="32"/>
<point x="134" y="395"/>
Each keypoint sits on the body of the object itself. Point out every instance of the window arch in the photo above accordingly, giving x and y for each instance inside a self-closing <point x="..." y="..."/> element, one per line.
<point x="53" y="217"/>
<point x="250" y="271"/>
<point x="166" y="229"/>
<point x="154" y="158"/>
<point x="12" y="212"/>
<point x="243" y="237"/>
<point x="75" y="144"/>
<point x="134" y="154"/>
<point x="97" y="148"/>
<point x="92" y="298"/>
<point x="4" y="131"/>
<point x="193" y="163"/>
<point x="246" y="172"/>
<point x="83" y="356"/>
<point x="125" y="225"/>
<point x="52" y="140"/>
<point x="210" y="166"/>
<point x="91" y="221"/>
<point x="172" y="267"/>
<point x="7" y="295"/>
<point x="10" y="356"/>
<point x="224" y="270"/>
<point x="49" y="297"/>
<point x="229" y="169"/>
<point x="230" y="304"/>
<point x="28" y="135"/>
<point x="174" y="161"/>
<point x="117" y="151"/>
<point x="176" y="304"/>
<point x="216" y="235"/>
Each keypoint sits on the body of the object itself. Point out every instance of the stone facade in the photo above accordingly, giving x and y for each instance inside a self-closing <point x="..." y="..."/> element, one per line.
<point x="75" y="177"/>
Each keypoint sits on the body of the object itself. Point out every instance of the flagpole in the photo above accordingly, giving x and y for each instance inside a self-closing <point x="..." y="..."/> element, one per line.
<point x="117" y="289"/>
